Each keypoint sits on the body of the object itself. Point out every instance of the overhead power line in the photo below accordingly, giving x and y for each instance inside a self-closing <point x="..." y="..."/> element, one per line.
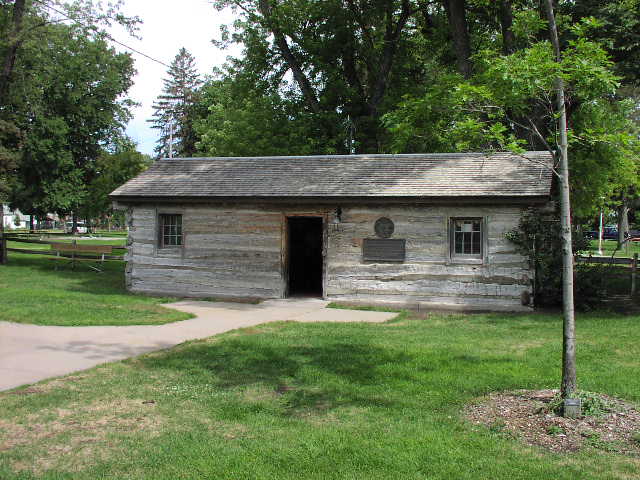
<point x="110" y="37"/>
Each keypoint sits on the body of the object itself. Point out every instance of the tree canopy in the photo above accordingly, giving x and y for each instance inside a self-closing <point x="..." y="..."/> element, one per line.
<point x="63" y="99"/>
<point x="444" y="75"/>
<point x="331" y="77"/>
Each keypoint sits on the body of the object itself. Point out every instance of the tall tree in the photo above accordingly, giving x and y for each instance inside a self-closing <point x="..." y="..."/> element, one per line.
<point x="241" y="119"/>
<point x="174" y="110"/>
<point x="113" y="169"/>
<point x="11" y="48"/>
<point x="441" y="75"/>
<point x="75" y="108"/>
<point x="25" y="28"/>
<point x="343" y="57"/>
<point x="459" y="30"/>
<point x="617" y="28"/>
<point x="508" y="102"/>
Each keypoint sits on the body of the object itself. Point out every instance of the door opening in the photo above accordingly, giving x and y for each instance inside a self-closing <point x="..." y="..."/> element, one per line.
<point x="305" y="256"/>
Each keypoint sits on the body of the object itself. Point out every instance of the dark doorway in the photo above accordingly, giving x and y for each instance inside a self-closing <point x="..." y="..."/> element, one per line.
<point x="305" y="256"/>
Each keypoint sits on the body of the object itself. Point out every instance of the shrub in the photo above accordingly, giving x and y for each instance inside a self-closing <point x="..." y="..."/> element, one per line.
<point x="538" y="238"/>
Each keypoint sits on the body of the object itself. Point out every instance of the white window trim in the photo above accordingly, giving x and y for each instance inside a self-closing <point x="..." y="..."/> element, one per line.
<point x="461" y="258"/>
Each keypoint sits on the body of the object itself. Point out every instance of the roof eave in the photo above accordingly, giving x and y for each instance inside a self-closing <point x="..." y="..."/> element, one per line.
<point x="483" y="199"/>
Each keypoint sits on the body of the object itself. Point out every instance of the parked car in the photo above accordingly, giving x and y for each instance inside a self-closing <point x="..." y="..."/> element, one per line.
<point x="608" y="233"/>
<point x="81" y="227"/>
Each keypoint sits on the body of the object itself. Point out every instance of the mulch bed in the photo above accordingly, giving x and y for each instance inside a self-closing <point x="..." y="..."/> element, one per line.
<point x="526" y="414"/>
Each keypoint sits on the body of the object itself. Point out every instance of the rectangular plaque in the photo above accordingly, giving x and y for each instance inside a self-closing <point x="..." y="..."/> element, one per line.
<point x="383" y="250"/>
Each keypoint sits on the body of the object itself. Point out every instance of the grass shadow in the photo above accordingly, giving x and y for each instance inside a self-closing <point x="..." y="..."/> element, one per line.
<point x="307" y="377"/>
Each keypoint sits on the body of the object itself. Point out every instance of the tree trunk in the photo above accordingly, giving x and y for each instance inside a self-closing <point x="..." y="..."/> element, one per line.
<point x="366" y="134"/>
<point x="3" y="242"/>
<point x="623" y="221"/>
<point x="569" y="382"/>
<point x="456" y="13"/>
<point x="12" y="50"/>
<point x="506" y="22"/>
<point x="292" y="62"/>
<point x="74" y="223"/>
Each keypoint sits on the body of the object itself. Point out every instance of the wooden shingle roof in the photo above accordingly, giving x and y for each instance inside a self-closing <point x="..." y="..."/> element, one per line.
<point x="354" y="176"/>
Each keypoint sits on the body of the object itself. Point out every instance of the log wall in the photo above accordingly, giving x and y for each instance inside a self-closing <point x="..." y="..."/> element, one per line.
<point x="429" y="277"/>
<point x="226" y="252"/>
<point x="240" y="251"/>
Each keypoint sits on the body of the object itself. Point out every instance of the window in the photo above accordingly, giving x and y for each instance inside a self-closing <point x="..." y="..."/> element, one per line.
<point x="170" y="231"/>
<point x="466" y="237"/>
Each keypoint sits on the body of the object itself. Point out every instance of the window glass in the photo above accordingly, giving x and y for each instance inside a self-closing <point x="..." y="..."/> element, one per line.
<point x="467" y="237"/>
<point x="170" y="231"/>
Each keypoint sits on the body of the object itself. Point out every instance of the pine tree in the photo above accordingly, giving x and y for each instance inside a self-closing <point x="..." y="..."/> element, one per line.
<point x="173" y="109"/>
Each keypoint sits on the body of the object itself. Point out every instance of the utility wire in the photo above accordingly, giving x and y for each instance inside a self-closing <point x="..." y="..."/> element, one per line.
<point x="93" y="27"/>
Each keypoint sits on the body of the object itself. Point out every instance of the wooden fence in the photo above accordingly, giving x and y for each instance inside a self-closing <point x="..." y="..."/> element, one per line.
<point x="3" y="249"/>
<point x="632" y="262"/>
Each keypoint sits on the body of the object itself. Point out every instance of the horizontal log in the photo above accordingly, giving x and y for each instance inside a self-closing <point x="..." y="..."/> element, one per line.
<point x="435" y="268"/>
<point x="423" y="287"/>
<point x="482" y="279"/>
<point x="172" y="291"/>
<point x="236" y="265"/>
<point x="470" y="300"/>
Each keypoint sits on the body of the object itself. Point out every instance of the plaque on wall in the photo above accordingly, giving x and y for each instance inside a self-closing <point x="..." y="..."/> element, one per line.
<point x="384" y="227"/>
<point x="383" y="250"/>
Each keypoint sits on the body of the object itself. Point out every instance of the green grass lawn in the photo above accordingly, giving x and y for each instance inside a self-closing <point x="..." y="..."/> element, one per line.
<point x="319" y="401"/>
<point x="32" y="291"/>
<point x="608" y="247"/>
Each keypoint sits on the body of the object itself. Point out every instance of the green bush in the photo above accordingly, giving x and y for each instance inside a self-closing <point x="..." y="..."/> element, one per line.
<point x="537" y="237"/>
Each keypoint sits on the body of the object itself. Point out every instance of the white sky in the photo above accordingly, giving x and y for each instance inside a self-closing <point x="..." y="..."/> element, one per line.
<point x="167" y="26"/>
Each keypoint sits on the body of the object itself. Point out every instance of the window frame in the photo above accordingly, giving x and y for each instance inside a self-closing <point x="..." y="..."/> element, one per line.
<point x="161" y="245"/>
<point x="467" y="257"/>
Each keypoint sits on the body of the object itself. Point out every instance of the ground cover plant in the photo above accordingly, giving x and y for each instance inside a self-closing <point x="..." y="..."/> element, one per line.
<point x="321" y="401"/>
<point x="33" y="291"/>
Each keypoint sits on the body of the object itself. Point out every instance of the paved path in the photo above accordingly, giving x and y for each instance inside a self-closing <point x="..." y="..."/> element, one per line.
<point x="30" y="353"/>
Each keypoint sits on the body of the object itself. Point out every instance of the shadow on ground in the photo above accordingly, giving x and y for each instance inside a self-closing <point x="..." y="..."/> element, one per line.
<point x="105" y="351"/>
<point x="313" y="377"/>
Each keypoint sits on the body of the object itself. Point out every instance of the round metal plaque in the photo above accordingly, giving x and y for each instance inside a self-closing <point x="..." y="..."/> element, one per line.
<point x="384" y="227"/>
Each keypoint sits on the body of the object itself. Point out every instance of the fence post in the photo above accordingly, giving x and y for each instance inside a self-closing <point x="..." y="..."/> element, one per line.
<point x="3" y="249"/>
<point x="634" y="270"/>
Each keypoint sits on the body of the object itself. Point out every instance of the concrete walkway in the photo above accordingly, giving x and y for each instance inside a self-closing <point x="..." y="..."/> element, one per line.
<point x="30" y="353"/>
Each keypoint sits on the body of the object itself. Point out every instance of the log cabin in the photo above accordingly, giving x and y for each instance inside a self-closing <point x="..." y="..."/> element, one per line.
<point x="412" y="230"/>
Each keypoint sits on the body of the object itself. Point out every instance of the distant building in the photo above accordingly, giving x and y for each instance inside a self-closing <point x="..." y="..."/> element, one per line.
<point x="420" y="230"/>
<point x="14" y="219"/>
